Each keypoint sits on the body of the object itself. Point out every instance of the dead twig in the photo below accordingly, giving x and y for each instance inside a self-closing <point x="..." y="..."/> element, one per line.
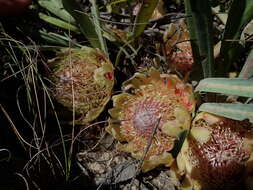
<point x="145" y="152"/>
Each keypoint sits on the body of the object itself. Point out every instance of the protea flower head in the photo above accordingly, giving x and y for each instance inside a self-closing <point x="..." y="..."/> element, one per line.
<point x="178" y="47"/>
<point x="217" y="153"/>
<point x="86" y="76"/>
<point x="159" y="108"/>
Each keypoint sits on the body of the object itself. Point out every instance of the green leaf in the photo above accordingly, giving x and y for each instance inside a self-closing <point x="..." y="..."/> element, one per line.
<point x="240" y="13"/>
<point x="114" y="6"/>
<point x="230" y="86"/>
<point x="179" y="143"/>
<point x="197" y="70"/>
<point x="143" y="16"/>
<point x="233" y="111"/>
<point x="58" y="39"/>
<point x="56" y="8"/>
<point x="51" y="38"/>
<point x="202" y="23"/>
<point x="247" y="70"/>
<point x="98" y="27"/>
<point x="58" y="22"/>
<point x="83" y="20"/>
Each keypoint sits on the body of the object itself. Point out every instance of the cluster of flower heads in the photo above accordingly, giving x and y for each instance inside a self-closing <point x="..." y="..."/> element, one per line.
<point x="154" y="108"/>
<point x="148" y="117"/>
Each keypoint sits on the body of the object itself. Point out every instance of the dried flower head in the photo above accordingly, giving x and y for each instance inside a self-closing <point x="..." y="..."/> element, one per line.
<point x="216" y="152"/>
<point x="158" y="109"/>
<point x="85" y="76"/>
<point x="178" y="47"/>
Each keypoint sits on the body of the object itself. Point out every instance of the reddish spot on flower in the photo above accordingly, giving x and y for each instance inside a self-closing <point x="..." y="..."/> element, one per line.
<point x="188" y="104"/>
<point x="169" y="84"/>
<point x="100" y="57"/>
<point x="178" y="91"/>
<point x="109" y="75"/>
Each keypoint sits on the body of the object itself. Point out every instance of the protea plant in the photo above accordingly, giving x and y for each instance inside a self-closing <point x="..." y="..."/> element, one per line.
<point x="217" y="154"/>
<point x="158" y="108"/>
<point x="82" y="81"/>
<point x="178" y="47"/>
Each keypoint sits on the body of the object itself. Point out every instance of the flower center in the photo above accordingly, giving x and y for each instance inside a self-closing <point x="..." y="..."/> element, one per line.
<point x="146" y="117"/>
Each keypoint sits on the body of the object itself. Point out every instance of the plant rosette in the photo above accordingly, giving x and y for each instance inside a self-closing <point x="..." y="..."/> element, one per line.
<point x="82" y="80"/>
<point x="217" y="153"/>
<point x="149" y="117"/>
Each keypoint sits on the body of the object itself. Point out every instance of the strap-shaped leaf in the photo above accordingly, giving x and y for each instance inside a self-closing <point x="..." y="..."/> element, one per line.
<point x="240" y="13"/>
<point x="98" y="26"/>
<point x="233" y="111"/>
<point x="197" y="71"/>
<point x="56" y="8"/>
<point x="143" y="16"/>
<point x="229" y="86"/>
<point x="83" y="20"/>
<point x="58" y="39"/>
<point x="201" y="14"/>
<point x="247" y="70"/>
<point x="58" y="22"/>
